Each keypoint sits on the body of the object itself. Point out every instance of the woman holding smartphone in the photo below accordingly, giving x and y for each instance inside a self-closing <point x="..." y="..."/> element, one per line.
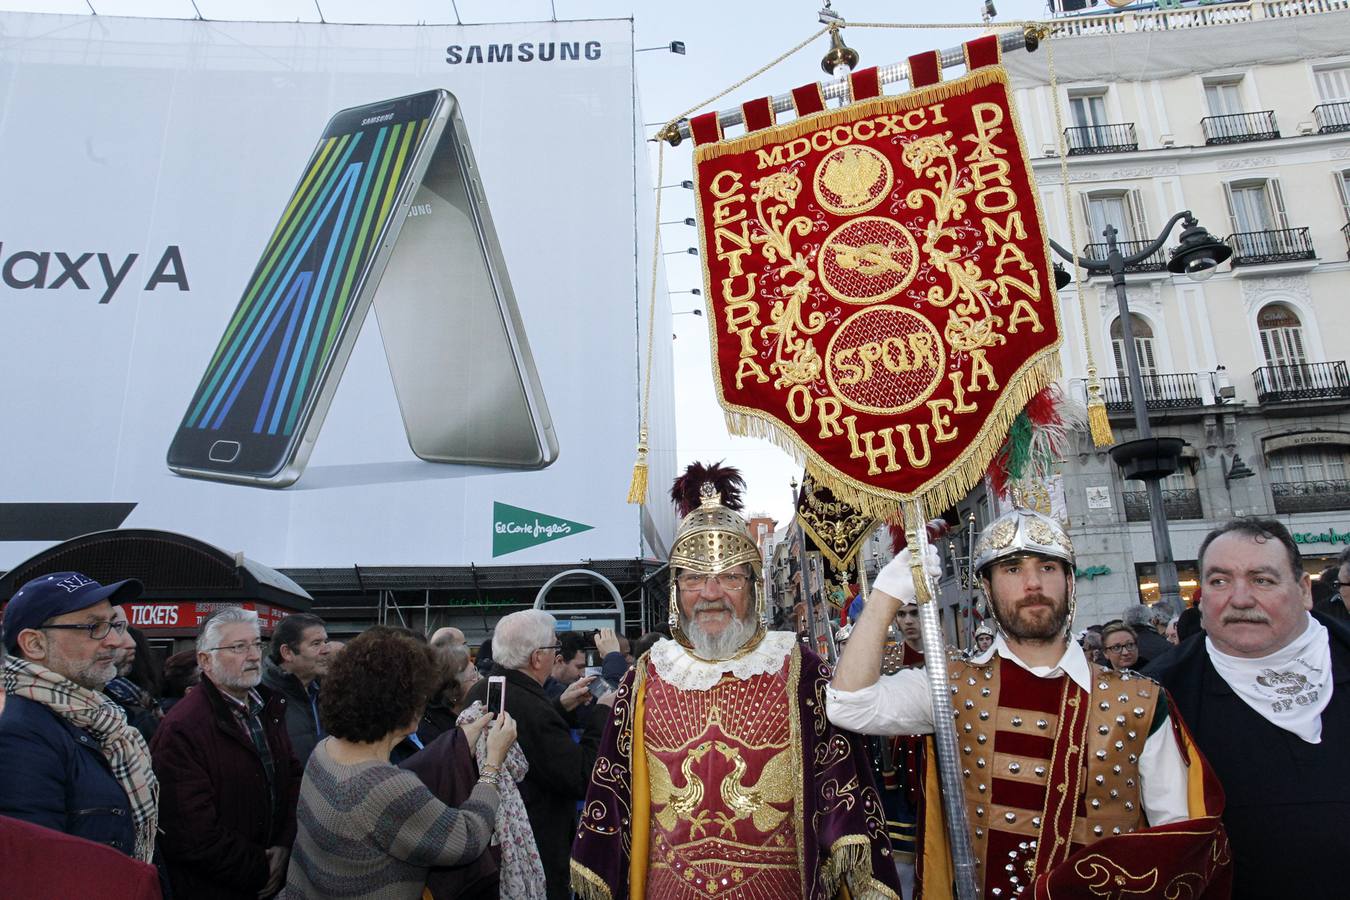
<point x="365" y="828"/>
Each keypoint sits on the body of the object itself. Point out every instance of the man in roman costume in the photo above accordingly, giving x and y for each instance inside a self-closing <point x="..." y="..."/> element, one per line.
<point x="719" y="775"/>
<point x="1077" y="779"/>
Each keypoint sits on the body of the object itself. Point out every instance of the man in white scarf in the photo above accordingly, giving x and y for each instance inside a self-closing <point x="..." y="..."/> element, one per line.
<point x="1264" y="691"/>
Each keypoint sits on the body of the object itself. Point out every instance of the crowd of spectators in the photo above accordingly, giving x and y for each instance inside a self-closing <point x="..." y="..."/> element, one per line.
<point x="259" y="766"/>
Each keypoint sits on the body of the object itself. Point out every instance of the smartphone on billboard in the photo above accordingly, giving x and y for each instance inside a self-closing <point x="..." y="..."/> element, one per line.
<point x="496" y="693"/>
<point x="463" y="372"/>
<point x="261" y="402"/>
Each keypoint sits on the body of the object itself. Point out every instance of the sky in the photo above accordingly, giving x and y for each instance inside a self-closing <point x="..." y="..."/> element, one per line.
<point x="725" y="41"/>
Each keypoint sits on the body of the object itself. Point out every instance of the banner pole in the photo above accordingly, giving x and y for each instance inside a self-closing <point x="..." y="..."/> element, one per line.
<point x="944" y="723"/>
<point x="818" y="576"/>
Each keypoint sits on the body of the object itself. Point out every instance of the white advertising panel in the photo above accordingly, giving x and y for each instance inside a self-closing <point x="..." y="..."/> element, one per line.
<point x="329" y="295"/>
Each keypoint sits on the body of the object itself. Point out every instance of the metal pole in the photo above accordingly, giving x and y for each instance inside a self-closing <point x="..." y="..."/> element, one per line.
<point x="944" y="723"/>
<point x="840" y="87"/>
<point x="1169" y="588"/>
<point x="818" y="574"/>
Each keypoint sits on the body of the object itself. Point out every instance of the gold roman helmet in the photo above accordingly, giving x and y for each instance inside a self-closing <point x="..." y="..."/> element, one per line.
<point x="713" y="538"/>
<point x="1025" y="532"/>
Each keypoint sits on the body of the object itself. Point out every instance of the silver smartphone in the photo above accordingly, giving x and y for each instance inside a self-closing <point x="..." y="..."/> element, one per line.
<point x="463" y="372"/>
<point x="496" y="693"/>
<point x="261" y="403"/>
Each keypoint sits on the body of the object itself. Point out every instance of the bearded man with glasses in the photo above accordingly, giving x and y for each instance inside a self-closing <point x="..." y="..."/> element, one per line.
<point x="71" y="761"/>
<point x="718" y="775"/>
<point x="230" y="778"/>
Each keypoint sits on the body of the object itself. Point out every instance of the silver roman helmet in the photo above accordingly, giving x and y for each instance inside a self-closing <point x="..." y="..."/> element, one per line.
<point x="1025" y="532"/>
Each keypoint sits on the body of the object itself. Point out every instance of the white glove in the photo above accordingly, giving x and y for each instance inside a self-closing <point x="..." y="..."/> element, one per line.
<point x="896" y="579"/>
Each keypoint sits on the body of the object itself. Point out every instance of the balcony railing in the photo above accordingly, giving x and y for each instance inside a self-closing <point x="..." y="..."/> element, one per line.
<point x="1345" y="230"/>
<point x="1178" y="504"/>
<point x="1156" y="262"/>
<point x="1310" y="496"/>
<point x="1332" y="117"/>
<point x="1302" y="381"/>
<point x="1178" y="391"/>
<point x="1274" y="245"/>
<point x="1087" y="139"/>
<point x="1240" y="127"/>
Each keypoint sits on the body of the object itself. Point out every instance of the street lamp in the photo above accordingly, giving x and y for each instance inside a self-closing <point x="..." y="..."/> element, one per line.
<point x="695" y="291"/>
<point x="1150" y="459"/>
<point x="692" y="251"/>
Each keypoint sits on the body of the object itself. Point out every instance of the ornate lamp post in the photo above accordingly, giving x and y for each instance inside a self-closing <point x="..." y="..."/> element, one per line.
<point x="1150" y="459"/>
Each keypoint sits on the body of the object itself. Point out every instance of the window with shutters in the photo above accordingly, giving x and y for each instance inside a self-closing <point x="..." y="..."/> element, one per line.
<point x="1089" y="117"/>
<point x="1143" y="346"/>
<point x="1123" y="209"/>
<point x="1224" y="96"/>
<point x="1343" y="186"/>
<point x="1260" y="223"/>
<point x="1333" y="84"/>
<point x="1309" y="478"/>
<point x="1281" y="334"/>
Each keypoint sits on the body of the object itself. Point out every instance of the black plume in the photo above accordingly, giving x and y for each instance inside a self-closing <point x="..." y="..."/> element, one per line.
<point x="727" y="480"/>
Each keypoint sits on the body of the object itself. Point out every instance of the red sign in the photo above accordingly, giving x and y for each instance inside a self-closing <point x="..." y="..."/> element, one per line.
<point x="191" y="614"/>
<point x="879" y="289"/>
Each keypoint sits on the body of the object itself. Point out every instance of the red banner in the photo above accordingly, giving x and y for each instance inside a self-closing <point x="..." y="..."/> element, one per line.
<point x="879" y="289"/>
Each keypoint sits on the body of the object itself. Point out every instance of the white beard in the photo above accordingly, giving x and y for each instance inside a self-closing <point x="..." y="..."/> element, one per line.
<point x="722" y="646"/>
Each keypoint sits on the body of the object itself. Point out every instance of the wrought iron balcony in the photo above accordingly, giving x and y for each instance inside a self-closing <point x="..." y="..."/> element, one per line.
<point x="1310" y="496"/>
<point x="1274" y="245"/>
<point x="1101" y="139"/>
<point x="1303" y="381"/>
<point x="1178" y="391"/>
<point x="1332" y="117"/>
<point x="1179" y="504"/>
<point x="1240" y="128"/>
<point x="1345" y="230"/>
<point x="1155" y="262"/>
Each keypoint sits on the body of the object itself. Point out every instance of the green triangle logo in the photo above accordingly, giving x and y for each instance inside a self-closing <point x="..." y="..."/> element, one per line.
<point x="515" y="529"/>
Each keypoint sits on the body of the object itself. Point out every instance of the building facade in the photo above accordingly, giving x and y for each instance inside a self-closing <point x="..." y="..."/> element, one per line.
<point x="1240" y="113"/>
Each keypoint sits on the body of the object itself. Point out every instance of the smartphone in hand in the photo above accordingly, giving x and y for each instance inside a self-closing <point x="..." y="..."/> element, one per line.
<point x="496" y="694"/>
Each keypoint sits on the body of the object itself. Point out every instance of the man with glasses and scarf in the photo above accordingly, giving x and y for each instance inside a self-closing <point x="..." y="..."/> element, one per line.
<point x="230" y="779"/>
<point x="70" y="760"/>
<point x="718" y="775"/>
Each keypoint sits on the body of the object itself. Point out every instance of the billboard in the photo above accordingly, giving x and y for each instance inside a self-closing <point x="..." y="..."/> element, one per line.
<point x="333" y="295"/>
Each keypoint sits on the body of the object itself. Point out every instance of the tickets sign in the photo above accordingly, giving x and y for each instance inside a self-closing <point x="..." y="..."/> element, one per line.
<point x="191" y="614"/>
<point x="880" y="296"/>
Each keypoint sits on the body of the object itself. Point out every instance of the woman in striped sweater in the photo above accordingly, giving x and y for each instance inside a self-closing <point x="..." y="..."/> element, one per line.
<point x="365" y="828"/>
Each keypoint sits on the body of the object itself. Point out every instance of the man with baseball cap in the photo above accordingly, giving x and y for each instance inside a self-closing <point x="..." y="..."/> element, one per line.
<point x="70" y="760"/>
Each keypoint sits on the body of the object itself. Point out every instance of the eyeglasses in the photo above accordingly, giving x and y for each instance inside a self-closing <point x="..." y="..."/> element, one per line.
<point x="97" y="630"/>
<point x="238" y="648"/>
<point x="1341" y="584"/>
<point x="1122" y="648"/>
<point x="554" y="647"/>
<point x="728" y="581"/>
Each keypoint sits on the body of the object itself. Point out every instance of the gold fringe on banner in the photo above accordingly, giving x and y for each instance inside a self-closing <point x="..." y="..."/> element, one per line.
<point x="637" y="488"/>
<point x="1099" y="426"/>
<point x="962" y="474"/>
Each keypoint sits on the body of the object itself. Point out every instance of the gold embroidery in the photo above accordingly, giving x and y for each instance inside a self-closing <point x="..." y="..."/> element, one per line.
<point x="677" y="803"/>
<point x="775" y="785"/>
<point x="1107" y="878"/>
<point x="852" y="180"/>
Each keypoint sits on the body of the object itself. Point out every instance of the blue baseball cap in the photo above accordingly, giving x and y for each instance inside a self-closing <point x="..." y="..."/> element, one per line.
<point x="49" y="596"/>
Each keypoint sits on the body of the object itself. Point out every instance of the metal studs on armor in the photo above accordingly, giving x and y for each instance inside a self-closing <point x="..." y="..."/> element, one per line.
<point x="970" y="704"/>
<point x="979" y="810"/>
<point x="1120" y="720"/>
<point x="1102" y="685"/>
<point x="979" y="832"/>
<point x="1017" y="721"/>
<point x="965" y="772"/>
<point x="1131" y="734"/>
<point x="1123" y="699"/>
<point x="1129" y="782"/>
<point x="1133" y="758"/>
<point x="1010" y="817"/>
<point x="1042" y="724"/>
<point x="1113" y="793"/>
<point x="966" y="748"/>
<point x="988" y="674"/>
<point x="970" y="681"/>
<point x="984" y="715"/>
<point x="1040" y="771"/>
<point x="1120" y="745"/>
<point x="1129" y="805"/>
<point x="982" y="738"/>
<point x="1014" y="767"/>
<point x="1097" y="830"/>
<point x="984" y="692"/>
<point x="979" y="764"/>
<point x="981" y="788"/>
<point x="1103" y="706"/>
<point x="1138" y="712"/>
<point x="1103" y="729"/>
<point x="997" y="892"/>
<point x="1125" y="676"/>
<point x="1101" y="754"/>
<point x="967" y="727"/>
<point x="1035" y="821"/>
<point x="1116" y="830"/>
<point x="1096" y="804"/>
<point x="1115" y="770"/>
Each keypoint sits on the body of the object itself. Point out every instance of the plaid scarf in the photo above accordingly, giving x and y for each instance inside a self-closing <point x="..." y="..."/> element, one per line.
<point x="125" y="749"/>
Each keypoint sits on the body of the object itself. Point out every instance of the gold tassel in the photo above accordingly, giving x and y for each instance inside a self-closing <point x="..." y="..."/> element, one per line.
<point x="1099" y="426"/>
<point x="637" y="488"/>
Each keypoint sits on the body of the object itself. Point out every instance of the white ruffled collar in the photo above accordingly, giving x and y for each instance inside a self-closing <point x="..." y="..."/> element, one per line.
<point x="680" y="668"/>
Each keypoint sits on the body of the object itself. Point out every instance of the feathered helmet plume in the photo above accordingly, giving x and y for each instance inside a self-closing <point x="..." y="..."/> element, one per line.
<point x="726" y="480"/>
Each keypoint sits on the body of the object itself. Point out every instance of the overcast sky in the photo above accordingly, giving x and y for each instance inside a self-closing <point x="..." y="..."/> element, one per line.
<point x="725" y="41"/>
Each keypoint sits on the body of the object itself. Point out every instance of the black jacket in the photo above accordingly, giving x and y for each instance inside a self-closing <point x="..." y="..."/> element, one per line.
<point x="1287" y="800"/>
<point x="302" y="723"/>
<point x="560" y="768"/>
